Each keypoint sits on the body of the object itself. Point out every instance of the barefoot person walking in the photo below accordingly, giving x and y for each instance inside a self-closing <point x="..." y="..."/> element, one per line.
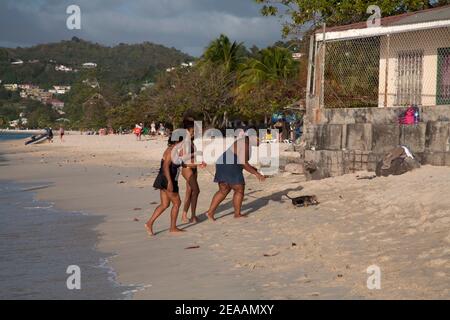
<point x="190" y="174"/>
<point x="61" y="133"/>
<point x="167" y="183"/>
<point x="229" y="174"/>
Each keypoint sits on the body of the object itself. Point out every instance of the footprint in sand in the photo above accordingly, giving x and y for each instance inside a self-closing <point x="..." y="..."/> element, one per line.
<point x="424" y="214"/>
<point x="436" y="263"/>
<point x="447" y="239"/>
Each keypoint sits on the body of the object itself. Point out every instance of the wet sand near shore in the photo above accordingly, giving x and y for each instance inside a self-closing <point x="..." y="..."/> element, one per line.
<point x="400" y="224"/>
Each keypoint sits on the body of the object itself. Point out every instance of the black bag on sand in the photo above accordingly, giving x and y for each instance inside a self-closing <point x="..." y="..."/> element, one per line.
<point x="399" y="165"/>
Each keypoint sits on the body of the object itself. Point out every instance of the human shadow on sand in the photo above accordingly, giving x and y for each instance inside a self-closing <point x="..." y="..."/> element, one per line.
<point x="248" y="208"/>
<point x="3" y="162"/>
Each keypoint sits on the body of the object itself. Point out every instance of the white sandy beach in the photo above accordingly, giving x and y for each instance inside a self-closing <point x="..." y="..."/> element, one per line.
<point x="401" y="224"/>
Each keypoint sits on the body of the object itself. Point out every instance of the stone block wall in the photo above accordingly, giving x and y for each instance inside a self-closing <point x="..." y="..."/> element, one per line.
<point x="342" y="141"/>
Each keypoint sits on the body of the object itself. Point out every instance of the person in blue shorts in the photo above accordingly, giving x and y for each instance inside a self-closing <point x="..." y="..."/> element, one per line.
<point x="229" y="173"/>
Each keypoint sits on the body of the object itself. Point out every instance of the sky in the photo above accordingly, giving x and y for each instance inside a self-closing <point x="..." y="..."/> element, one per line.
<point x="188" y="25"/>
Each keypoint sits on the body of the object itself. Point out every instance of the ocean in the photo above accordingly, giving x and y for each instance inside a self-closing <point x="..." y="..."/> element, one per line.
<point x="5" y="135"/>
<point x="38" y="243"/>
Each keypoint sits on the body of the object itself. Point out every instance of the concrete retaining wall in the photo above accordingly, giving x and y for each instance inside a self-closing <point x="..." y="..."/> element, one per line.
<point x="342" y="141"/>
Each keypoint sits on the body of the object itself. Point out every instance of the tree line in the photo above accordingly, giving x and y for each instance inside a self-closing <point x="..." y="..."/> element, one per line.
<point x="229" y="82"/>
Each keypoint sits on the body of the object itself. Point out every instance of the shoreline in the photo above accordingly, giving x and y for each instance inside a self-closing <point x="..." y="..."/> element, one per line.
<point x="31" y="131"/>
<point x="42" y="254"/>
<point x="278" y="252"/>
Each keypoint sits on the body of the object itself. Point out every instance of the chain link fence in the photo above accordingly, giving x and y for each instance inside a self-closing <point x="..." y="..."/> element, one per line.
<point x="390" y="70"/>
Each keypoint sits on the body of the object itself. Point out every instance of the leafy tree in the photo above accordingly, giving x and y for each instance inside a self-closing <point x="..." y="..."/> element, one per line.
<point x="206" y="91"/>
<point x="275" y="64"/>
<point x="9" y="112"/>
<point x="82" y="90"/>
<point x="123" y="116"/>
<point x="3" y="122"/>
<point x="95" y="111"/>
<point x="41" y="117"/>
<point x="334" y="12"/>
<point x="267" y="84"/>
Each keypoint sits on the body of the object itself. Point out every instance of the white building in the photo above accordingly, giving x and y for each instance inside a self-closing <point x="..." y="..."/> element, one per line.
<point x="63" y="68"/>
<point x="89" y="65"/>
<point x="27" y="86"/>
<point x="11" y="86"/>
<point x="297" y="56"/>
<point x="61" y="89"/>
<point x="412" y="57"/>
<point x="91" y="83"/>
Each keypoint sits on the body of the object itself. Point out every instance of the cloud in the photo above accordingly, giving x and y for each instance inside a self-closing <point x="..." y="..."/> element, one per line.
<point x="188" y="25"/>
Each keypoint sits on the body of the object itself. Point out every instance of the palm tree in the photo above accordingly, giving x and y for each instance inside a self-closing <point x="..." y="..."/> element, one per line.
<point x="266" y="83"/>
<point x="275" y="65"/>
<point x="222" y="51"/>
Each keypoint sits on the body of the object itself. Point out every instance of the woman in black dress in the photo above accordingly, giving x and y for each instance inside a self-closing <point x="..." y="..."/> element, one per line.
<point x="167" y="183"/>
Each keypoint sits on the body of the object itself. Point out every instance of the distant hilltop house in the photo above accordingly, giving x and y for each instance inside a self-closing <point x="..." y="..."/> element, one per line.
<point x="27" y="86"/>
<point x="182" y="65"/>
<point x="45" y="97"/>
<point x="30" y="91"/>
<point x="63" y="68"/>
<point x="17" y="123"/>
<point x="91" y="83"/>
<point x="147" y="85"/>
<point x="11" y="86"/>
<point x="89" y="65"/>
<point x="60" y="89"/>
<point x="56" y="104"/>
<point x="297" y="56"/>
<point x="17" y="62"/>
<point x="187" y="64"/>
<point x="96" y="98"/>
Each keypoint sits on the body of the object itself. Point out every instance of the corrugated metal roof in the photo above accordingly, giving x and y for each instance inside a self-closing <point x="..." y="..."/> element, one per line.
<point x="428" y="15"/>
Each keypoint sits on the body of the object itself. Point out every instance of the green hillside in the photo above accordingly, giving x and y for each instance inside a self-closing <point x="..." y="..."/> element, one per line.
<point x="119" y="64"/>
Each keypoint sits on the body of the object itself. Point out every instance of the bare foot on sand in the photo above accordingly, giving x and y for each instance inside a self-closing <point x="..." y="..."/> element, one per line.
<point x="240" y="216"/>
<point x="176" y="231"/>
<point x="211" y="217"/>
<point x="193" y="220"/>
<point x="149" y="228"/>
<point x="184" y="218"/>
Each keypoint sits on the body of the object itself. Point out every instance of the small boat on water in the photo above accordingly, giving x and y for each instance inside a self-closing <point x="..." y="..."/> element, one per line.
<point x="37" y="139"/>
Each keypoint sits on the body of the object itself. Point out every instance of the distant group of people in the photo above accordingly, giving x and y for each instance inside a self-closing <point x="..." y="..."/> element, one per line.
<point x="140" y="130"/>
<point x="229" y="177"/>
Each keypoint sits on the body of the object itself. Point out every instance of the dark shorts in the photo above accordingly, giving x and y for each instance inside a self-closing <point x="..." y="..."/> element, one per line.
<point x="161" y="184"/>
<point x="231" y="174"/>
